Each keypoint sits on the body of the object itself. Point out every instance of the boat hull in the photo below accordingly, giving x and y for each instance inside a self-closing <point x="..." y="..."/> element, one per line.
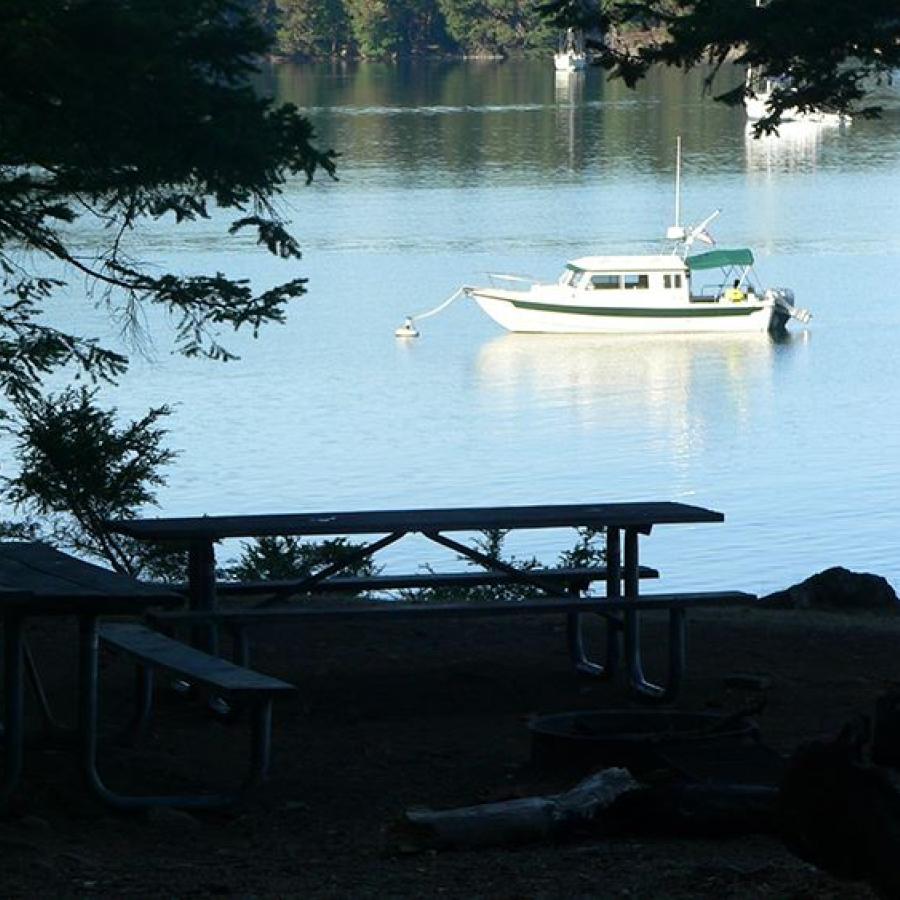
<point x="569" y="61"/>
<point x="757" y="108"/>
<point x="519" y="312"/>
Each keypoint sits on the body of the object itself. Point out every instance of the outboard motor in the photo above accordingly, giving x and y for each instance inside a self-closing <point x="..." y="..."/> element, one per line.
<point x="783" y="301"/>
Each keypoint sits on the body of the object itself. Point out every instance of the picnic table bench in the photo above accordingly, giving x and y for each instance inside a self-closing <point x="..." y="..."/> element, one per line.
<point x="154" y="652"/>
<point x="554" y="592"/>
<point x="568" y="578"/>
<point x="569" y="581"/>
<point x="321" y="609"/>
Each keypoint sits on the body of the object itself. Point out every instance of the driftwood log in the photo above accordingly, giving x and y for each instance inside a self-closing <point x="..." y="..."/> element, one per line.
<point x="508" y="822"/>
<point x="608" y="803"/>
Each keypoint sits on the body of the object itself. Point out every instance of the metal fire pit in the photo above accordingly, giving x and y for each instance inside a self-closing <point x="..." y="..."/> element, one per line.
<point x="641" y="741"/>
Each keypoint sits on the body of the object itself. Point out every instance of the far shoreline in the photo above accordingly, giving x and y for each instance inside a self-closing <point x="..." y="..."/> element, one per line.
<point x="630" y="42"/>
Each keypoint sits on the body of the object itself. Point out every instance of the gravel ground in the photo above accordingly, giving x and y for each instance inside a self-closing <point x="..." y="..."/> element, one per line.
<point x="432" y="714"/>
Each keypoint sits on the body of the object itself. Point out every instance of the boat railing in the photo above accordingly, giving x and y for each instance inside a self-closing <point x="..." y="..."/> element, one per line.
<point x="716" y="290"/>
<point x="710" y="291"/>
<point x="494" y="277"/>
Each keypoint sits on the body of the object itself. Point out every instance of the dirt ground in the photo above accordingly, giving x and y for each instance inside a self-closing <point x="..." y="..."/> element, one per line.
<point x="431" y="714"/>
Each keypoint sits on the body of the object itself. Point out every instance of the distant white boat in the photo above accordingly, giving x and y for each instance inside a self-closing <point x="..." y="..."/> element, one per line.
<point x="570" y="57"/>
<point x="757" y="106"/>
<point x="715" y="291"/>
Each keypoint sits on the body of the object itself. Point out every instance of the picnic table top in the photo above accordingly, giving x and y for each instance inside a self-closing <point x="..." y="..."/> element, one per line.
<point x="640" y="516"/>
<point x="38" y="579"/>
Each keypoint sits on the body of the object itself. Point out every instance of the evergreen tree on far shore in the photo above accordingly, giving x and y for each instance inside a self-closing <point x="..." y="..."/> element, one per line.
<point x="311" y="28"/>
<point x="381" y="29"/>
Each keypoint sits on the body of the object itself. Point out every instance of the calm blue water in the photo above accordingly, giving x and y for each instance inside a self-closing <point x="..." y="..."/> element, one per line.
<point x="452" y="170"/>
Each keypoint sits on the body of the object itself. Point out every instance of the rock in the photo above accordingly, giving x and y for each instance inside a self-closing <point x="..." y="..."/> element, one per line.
<point x="841" y="813"/>
<point x="836" y="589"/>
<point x="886" y="730"/>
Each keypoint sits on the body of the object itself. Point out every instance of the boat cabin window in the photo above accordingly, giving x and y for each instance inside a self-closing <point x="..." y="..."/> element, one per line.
<point x="670" y="281"/>
<point x="605" y="282"/>
<point x="635" y="282"/>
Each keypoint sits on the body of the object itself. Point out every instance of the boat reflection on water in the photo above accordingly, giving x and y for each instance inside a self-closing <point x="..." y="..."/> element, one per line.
<point x="569" y="94"/>
<point x="677" y="385"/>
<point x="795" y="146"/>
<point x="568" y="87"/>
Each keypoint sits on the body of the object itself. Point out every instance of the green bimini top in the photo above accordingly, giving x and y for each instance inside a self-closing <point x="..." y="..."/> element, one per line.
<point x="719" y="259"/>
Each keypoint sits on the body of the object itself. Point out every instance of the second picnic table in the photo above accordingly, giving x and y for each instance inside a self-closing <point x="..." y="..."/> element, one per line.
<point x="622" y="523"/>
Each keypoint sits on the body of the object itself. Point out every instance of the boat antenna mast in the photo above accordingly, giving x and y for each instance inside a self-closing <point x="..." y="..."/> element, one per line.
<point x="684" y="236"/>
<point x="677" y="231"/>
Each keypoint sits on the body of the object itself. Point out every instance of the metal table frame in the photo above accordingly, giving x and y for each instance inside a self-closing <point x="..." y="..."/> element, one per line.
<point x="622" y="522"/>
<point x="57" y="585"/>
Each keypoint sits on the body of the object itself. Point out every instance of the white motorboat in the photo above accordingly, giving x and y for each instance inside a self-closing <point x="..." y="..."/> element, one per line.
<point x="639" y="294"/>
<point x="571" y="56"/>
<point x="714" y="291"/>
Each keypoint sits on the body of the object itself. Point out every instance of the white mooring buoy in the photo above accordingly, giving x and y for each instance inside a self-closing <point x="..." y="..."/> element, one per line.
<point x="407" y="329"/>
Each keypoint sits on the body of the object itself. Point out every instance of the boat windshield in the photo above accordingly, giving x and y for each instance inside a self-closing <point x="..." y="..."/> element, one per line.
<point x="571" y="277"/>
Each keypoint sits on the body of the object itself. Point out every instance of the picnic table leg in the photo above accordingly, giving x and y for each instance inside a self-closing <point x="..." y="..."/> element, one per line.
<point x="14" y="704"/>
<point x="573" y="620"/>
<point x="202" y="592"/>
<point x="643" y="689"/>
<point x="613" y="591"/>
<point x="37" y="685"/>
<point x="88" y="719"/>
<point x="574" y="636"/>
<point x="638" y="683"/>
<point x="677" y="651"/>
<point x="144" y="695"/>
<point x="261" y="746"/>
<point x="240" y="643"/>
<point x="577" y="653"/>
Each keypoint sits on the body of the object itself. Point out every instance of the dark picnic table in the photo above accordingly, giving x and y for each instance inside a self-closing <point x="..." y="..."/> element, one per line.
<point x="36" y="580"/>
<point x="623" y="524"/>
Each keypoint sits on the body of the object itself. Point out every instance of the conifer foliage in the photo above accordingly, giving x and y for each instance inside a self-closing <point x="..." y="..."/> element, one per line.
<point x="828" y="56"/>
<point x="113" y="112"/>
